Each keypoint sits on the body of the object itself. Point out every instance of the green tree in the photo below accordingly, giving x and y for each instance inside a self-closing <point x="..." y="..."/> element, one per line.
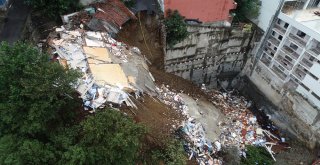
<point x="129" y="3"/>
<point x="247" y="9"/>
<point x="35" y="92"/>
<point x="35" y="102"/>
<point x="257" y="155"/>
<point x="171" y="154"/>
<point x="54" y="8"/>
<point x="109" y="137"/>
<point x="176" y="28"/>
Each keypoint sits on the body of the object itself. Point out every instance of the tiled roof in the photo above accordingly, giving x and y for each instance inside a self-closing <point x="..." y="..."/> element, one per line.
<point x="114" y="12"/>
<point x="204" y="10"/>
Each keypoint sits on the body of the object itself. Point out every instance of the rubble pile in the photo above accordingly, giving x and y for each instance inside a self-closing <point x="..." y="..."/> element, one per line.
<point x="111" y="71"/>
<point x="241" y="127"/>
<point x="193" y="133"/>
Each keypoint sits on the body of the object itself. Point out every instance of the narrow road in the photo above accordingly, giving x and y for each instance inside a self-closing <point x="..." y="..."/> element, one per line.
<point x="15" y="22"/>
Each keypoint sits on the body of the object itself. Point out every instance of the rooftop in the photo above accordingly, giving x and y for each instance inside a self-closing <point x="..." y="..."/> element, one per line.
<point x="205" y="10"/>
<point x="307" y="17"/>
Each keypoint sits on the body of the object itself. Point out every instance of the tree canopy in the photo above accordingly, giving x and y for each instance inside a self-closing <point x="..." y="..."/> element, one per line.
<point x="257" y="155"/>
<point x="54" y="8"/>
<point x="247" y="9"/>
<point x="176" y="28"/>
<point x="38" y="123"/>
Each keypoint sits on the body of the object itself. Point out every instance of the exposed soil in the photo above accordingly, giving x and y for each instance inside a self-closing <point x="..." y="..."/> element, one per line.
<point x="154" y="114"/>
<point x="158" y="116"/>
<point x="132" y="34"/>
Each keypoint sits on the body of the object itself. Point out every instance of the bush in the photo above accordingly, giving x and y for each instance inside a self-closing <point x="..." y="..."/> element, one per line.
<point x="171" y="154"/>
<point x="257" y="155"/>
<point x="54" y="8"/>
<point x="129" y="3"/>
<point x="176" y="28"/>
<point x="247" y="9"/>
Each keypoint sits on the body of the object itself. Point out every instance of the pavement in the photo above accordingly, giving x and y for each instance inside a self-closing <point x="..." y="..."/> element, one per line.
<point x="17" y="16"/>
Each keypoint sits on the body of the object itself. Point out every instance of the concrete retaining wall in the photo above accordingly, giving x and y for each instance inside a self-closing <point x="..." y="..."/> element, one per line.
<point x="208" y="55"/>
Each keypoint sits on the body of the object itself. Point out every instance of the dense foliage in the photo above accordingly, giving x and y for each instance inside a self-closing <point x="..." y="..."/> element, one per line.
<point x="38" y="123"/>
<point x="171" y="154"/>
<point x="176" y="28"/>
<point x="247" y="9"/>
<point x="257" y="155"/>
<point x="54" y="8"/>
<point x="129" y="3"/>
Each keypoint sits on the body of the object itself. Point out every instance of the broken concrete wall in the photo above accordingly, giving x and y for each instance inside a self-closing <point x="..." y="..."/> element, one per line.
<point x="208" y="54"/>
<point x="288" y="109"/>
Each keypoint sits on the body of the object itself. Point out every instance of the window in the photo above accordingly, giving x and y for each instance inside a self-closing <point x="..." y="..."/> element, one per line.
<point x="315" y="95"/>
<point x="313" y="76"/>
<point x="311" y="58"/>
<point x="288" y="58"/>
<point x="272" y="54"/>
<point x="301" y="34"/>
<point x="273" y="33"/>
<point x="305" y="87"/>
<point x="281" y="68"/>
<point x="286" y="25"/>
<point x="275" y="48"/>
<point x="280" y="37"/>
<point x="293" y="46"/>
<point x="279" y="21"/>
<point x="269" y="44"/>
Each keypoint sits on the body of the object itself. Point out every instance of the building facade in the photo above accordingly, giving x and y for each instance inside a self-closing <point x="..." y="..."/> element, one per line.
<point x="292" y="49"/>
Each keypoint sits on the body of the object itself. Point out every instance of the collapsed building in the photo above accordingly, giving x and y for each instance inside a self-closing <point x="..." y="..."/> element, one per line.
<point x="107" y="16"/>
<point x="112" y="71"/>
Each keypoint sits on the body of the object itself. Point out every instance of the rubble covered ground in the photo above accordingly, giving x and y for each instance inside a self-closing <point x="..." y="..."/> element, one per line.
<point x="134" y="33"/>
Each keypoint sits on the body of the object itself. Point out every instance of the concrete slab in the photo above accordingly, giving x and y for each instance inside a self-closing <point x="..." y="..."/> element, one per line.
<point x="206" y="114"/>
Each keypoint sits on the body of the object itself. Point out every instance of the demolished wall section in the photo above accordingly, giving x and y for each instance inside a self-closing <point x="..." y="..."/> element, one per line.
<point x="208" y="54"/>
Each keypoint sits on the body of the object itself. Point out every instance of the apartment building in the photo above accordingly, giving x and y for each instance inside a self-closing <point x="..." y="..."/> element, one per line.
<point x="291" y="51"/>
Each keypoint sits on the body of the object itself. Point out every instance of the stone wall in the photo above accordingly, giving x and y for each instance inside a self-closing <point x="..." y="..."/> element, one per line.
<point x="288" y="109"/>
<point x="208" y="55"/>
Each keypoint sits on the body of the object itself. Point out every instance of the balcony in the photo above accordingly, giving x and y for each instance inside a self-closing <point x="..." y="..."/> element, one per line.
<point x="274" y="41"/>
<point x="279" y="72"/>
<point x="306" y="63"/>
<point x="291" y="84"/>
<point x="299" y="73"/>
<point x="266" y="60"/>
<point x="284" y="62"/>
<point x="279" y="29"/>
<point x="299" y="41"/>
<point x="287" y="50"/>
<point x="315" y="51"/>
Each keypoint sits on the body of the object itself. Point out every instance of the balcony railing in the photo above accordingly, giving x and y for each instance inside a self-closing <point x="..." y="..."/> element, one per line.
<point x="265" y="60"/>
<point x="274" y="41"/>
<point x="315" y="51"/>
<point x="287" y="50"/>
<point x="308" y="64"/>
<point x="284" y="62"/>
<point x="279" y="29"/>
<point x="300" y="42"/>
<point x="279" y="72"/>
<point x="299" y="73"/>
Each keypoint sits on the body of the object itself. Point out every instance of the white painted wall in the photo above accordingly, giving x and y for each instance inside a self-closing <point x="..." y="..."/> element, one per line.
<point x="267" y="11"/>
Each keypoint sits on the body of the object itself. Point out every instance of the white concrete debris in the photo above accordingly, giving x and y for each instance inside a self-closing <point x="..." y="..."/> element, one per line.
<point x="196" y="144"/>
<point x="111" y="71"/>
<point x="241" y="127"/>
